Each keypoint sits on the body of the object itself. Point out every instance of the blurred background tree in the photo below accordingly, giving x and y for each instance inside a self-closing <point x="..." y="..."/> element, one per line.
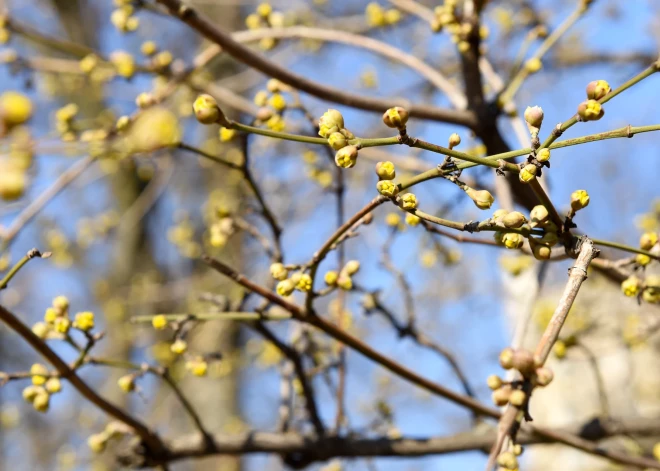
<point x="104" y="166"/>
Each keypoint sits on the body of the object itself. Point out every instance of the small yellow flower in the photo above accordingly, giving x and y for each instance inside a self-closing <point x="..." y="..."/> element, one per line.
<point x="337" y="141"/>
<point x="304" y="284"/>
<point x="396" y="117"/>
<point x="387" y="188"/>
<point x="39" y="374"/>
<point x="278" y="271"/>
<point x="579" y="200"/>
<point x="409" y="201"/>
<point x="126" y="383"/>
<point x="351" y="267"/>
<point x="539" y="215"/>
<point x="31" y="392"/>
<point x="88" y="63"/>
<point x="346" y="157"/>
<point x="590" y="110"/>
<point x="559" y="349"/>
<point x="528" y="173"/>
<point x="385" y="170"/>
<point x="642" y="259"/>
<point x="253" y="21"/>
<point x="412" y="220"/>
<point x="277" y="101"/>
<point x="159" y="322"/>
<point x="84" y="321"/>
<point x="62" y="325"/>
<point x="631" y="286"/>
<point x="50" y="315"/>
<point x="375" y="15"/>
<point x="61" y="305"/>
<point x="226" y="134"/>
<point x="264" y="9"/>
<point x="330" y="278"/>
<point x="163" y="59"/>
<point x="598" y="89"/>
<point x="41" y="401"/>
<point x="41" y="329"/>
<point x="179" y="346"/>
<point x="392" y="16"/>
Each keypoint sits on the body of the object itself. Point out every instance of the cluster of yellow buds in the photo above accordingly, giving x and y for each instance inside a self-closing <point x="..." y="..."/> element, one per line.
<point x="123" y="19"/>
<point x="649" y="288"/>
<point x="591" y="109"/>
<point x="377" y="16"/>
<point x="343" y="279"/>
<point x="446" y="18"/>
<point x="508" y="460"/>
<point x="523" y="361"/>
<point x="265" y="17"/>
<point x="273" y="103"/>
<point x="539" y="218"/>
<point x="331" y="127"/>
<point x="298" y="281"/>
<point x="43" y="386"/>
<point x="57" y="322"/>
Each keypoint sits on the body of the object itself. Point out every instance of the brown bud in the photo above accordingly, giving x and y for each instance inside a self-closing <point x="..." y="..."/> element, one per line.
<point x="544" y="376"/>
<point x="523" y="361"/>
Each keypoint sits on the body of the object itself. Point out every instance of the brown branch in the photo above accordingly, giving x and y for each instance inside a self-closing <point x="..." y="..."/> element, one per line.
<point x="247" y="56"/>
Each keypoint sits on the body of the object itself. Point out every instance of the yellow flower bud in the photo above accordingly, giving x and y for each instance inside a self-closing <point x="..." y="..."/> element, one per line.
<point x="84" y="321"/>
<point x="541" y="252"/>
<point x="155" y="128"/>
<point x="159" y="322"/>
<point x="481" y="198"/>
<point x="533" y="65"/>
<point x="179" y="346"/>
<point x="276" y="123"/>
<point x="412" y="220"/>
<point x="514" y="220"/>
<point x="148" y="48"/>
<point x="39" y="374"/>
<point x="124" y="63"/>
<point x="62" y="325"/>
<point x="331" y="121"/>
<point x="163" y="59"/>
<point x="559" y="349"/>
<point x="392" y="16"/>
<point x="346" y="157"/>
<point x="534" y="118"/>
<point x="538" y="216"/>
<point x="351" y="267"/>
<point x="261" y="98"/>
<point x="285" y="287"/>
<point x="41" y="330"/>
<point x="409" y="201"/>
<point x="590" y="110"/>
<point x="543" y="155"/>
<point x="385" y="170"/>
<point x="598" y="89"/>
<point x="396" y="117"/>
<point x="53" y="385"/>
<point x="393" y="219"/>
<point x="387" y="188"/>
<point x="127" y="383"/>
<point x="41" y="401"/>
<point x="454" y="140"/>
<point x="544" y="376"/>
<point x="278" y="271"/>
<point x="501" y="396"/>
<point x="15" y="108"/>
<point x="330" y="278"/>
<point x="253" y="21"/>
<point x="506" y="358"/>
<point x="648" y="240"/>
<point x="97" y="442"/>
<point x="500" y="213"/>
<point x="277" y="101"/>
<point x="337" y="140"/>
<point x="494" y="382"/>
<point x="264" y="9"/>
<point x="507" y="459"/>
<point x="631" y="286"/>
<point x="88" y="63"/>
<point x="226" y="134"/>
<point x="511" y="240"/>
<point x="528" y="173"/>
<point x="30" y="392"/>
<point x="304" y="284"/>
<point x="345" y="282"/>
<point x="642" y="260"/>
<point x="517" y="398"/>
<point x="579" y="200"/>
<point x="206" y="109"/>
